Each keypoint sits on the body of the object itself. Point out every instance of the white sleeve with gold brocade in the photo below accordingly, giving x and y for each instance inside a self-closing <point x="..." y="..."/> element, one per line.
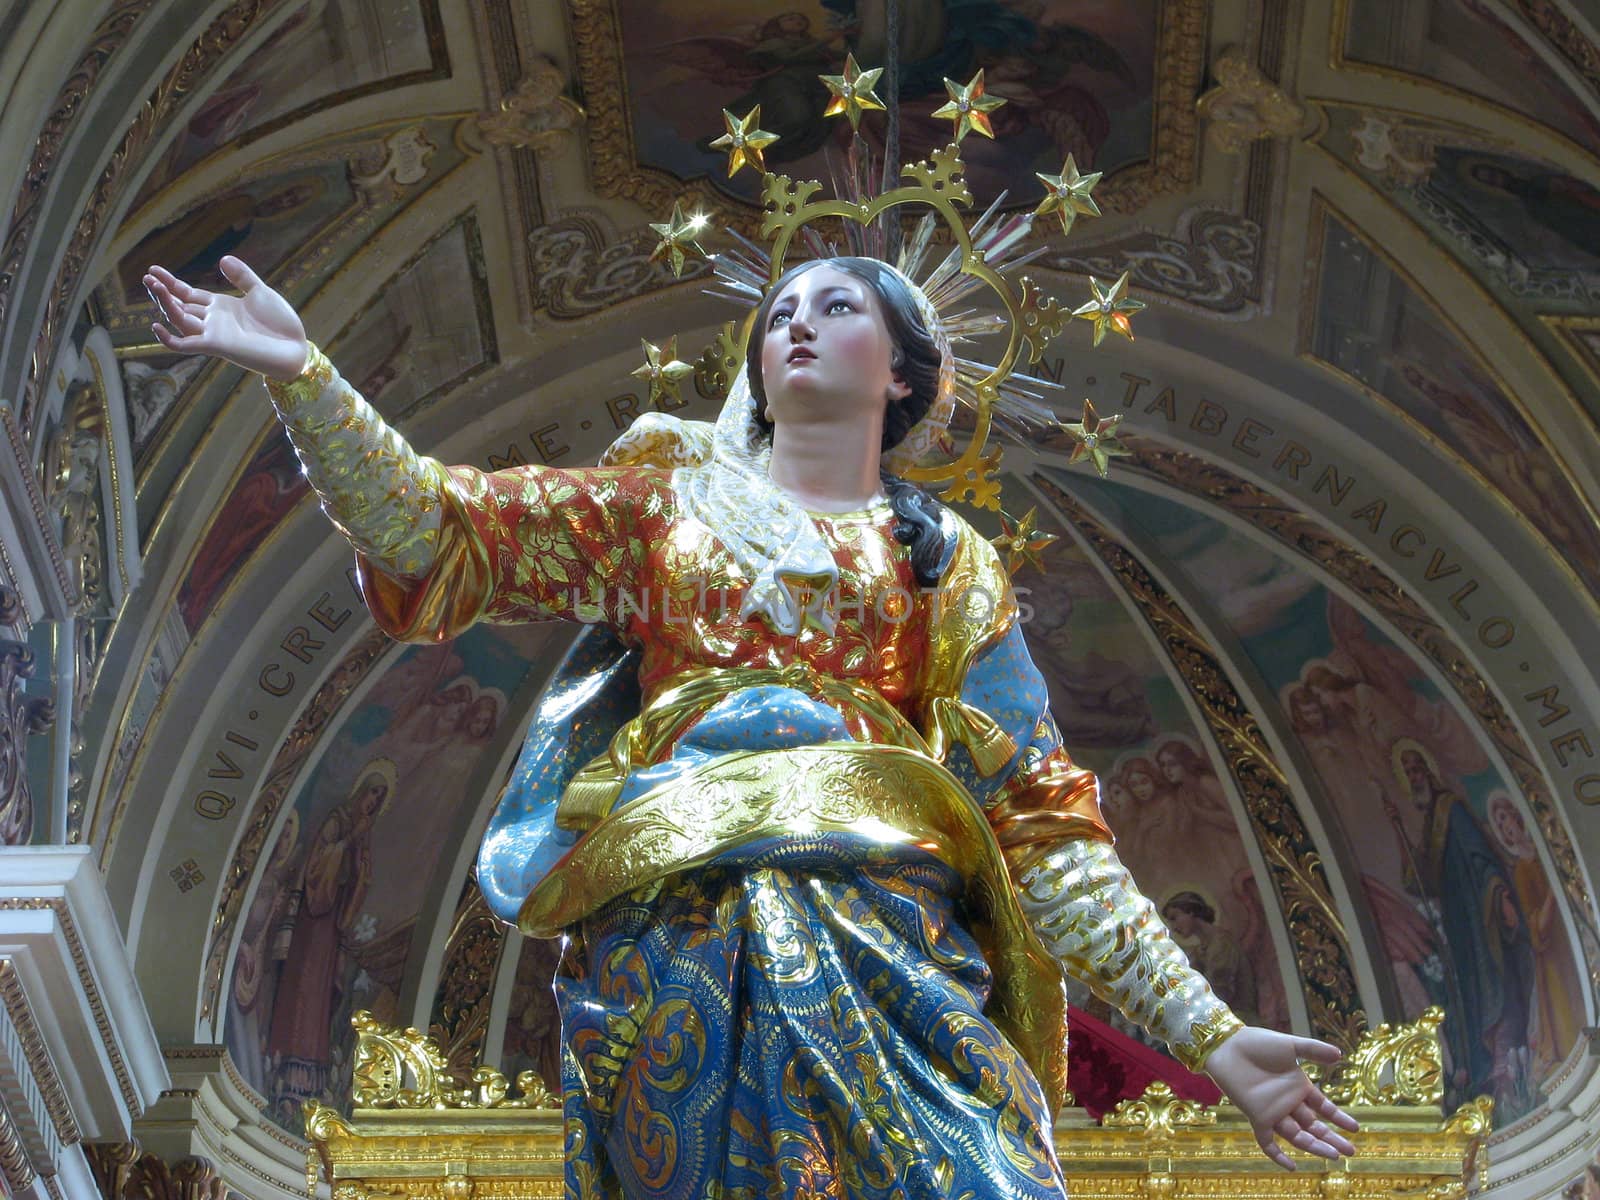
<point x="1105" y="932"/>
<point x="381" y="494"/>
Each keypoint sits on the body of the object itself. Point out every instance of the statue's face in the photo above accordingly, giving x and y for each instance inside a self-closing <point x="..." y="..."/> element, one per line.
<point x="826" y="348"/>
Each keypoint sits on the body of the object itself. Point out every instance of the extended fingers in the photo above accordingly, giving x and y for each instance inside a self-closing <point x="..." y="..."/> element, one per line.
<point x="1334" y="1113"/>
<point x="1307" y="1116"/>
<point x="186" y="318"/>
<point x="187" y="292"/>
<point x="1302" y="1138"/>
<point x="1272" y="1150"/>
<point x="183" y="345"/>
<point x="1313" y="1050"/>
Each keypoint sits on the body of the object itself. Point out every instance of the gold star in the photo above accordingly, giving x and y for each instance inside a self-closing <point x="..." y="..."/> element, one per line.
<point x="677" y="233"/>
<point x="745" y="141"/>
<point x="1068" y="194"/>
<point x="1095" y="438"/>
<point x="969" y="108"/>
<point x="662" y="371"/>
<point x="1022" y="542"/>
<point x="852" y="91"/>
<point x="1110" y="308"/>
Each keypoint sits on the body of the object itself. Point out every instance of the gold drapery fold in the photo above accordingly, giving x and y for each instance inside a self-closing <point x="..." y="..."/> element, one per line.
<point x="895" y="796"/>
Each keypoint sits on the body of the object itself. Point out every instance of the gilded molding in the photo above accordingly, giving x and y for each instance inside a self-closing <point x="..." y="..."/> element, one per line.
<point x="386" y="1057"/>
<point x="1155" y="1146"/>
<point x="14" y="1162"/>
<point x="1395" y="1065"/>
<point x="1221" y="489"/>
<point x="91" y="990"/>
<point x="37" y="1054"/>
<point x="107" y="37"/>
<point x="1171" y="166"/>
<point x="460" y="1019"/>
<point x="124" y="1172"/>
<point x="23" y="458"/>
<point x="280" y="779"/>
<point x="1320" y="944"/>
<point x="190" y="72"/>
<point x="1160" y="1113"/>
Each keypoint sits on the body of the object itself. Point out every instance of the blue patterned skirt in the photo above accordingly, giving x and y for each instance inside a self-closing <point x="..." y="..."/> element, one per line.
<point x="801" y="1018"/>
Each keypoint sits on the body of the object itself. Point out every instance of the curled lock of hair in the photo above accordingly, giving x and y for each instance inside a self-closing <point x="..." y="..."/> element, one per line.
<point x="919" y="520"/>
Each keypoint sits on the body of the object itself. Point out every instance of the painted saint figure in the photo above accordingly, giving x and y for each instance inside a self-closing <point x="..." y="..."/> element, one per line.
<point x="1489" y="973"/>
<point x="827" y="872"/>
<point x="334" y="880"/>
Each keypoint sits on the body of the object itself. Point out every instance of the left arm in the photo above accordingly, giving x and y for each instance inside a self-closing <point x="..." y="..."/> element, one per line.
<point x="1075" y="891"/>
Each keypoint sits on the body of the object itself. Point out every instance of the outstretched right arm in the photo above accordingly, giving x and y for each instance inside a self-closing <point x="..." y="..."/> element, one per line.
<point x="437" y="547"/>
<point x="383" y="496"/>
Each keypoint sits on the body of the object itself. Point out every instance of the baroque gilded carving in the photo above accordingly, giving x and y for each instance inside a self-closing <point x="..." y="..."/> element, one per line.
<point x="1395" y="1065"/>
<point x="387" y="1057"/>
<point x="1153" y="1146"/>
<point x="1245" y="105"/>
<point x="1319" y="941"/>
<point x="124" y="1172"/>
<point x="108" y="36"/>
<point x="537" y="116"/>
<point x="1295" y="530"/>
<point x="280" y="779"/>
<point x="460" y="1020"/>
<point x="189" y="72"/>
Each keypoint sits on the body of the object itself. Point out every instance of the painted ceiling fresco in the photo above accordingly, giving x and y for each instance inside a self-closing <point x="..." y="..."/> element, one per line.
<point x="462" y="195"/>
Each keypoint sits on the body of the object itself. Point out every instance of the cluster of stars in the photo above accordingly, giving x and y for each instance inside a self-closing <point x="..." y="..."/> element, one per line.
<point x="1067" y="195"/>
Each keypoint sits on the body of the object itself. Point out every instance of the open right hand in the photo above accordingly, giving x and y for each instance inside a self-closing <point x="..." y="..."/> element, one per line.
<point x="257" y="330"/>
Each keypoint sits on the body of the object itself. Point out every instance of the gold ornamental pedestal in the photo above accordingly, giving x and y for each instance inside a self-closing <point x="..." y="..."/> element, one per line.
<point x="415" y="1132"/>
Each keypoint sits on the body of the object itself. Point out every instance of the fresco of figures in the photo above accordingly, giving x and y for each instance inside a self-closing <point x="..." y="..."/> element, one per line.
<point x="1445" y="40"/>
<point x="1121" y="715"/>
<point x="329" y="926"/>
<point x="1396" y="344"/>
<point x="427" y="330"/>
<point x="367" y="45"/>
<point x="1421" y="810"/>
<point x="1077" y="77"/>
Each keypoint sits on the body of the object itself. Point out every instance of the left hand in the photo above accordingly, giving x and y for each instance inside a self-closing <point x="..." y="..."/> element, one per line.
<point x="1259" y="1070"/>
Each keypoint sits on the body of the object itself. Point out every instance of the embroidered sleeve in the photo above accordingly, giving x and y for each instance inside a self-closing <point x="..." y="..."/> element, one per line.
<point x="438" y="548"/>
<point x="1088" y="912"/>
<point x="382" y="495"/>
